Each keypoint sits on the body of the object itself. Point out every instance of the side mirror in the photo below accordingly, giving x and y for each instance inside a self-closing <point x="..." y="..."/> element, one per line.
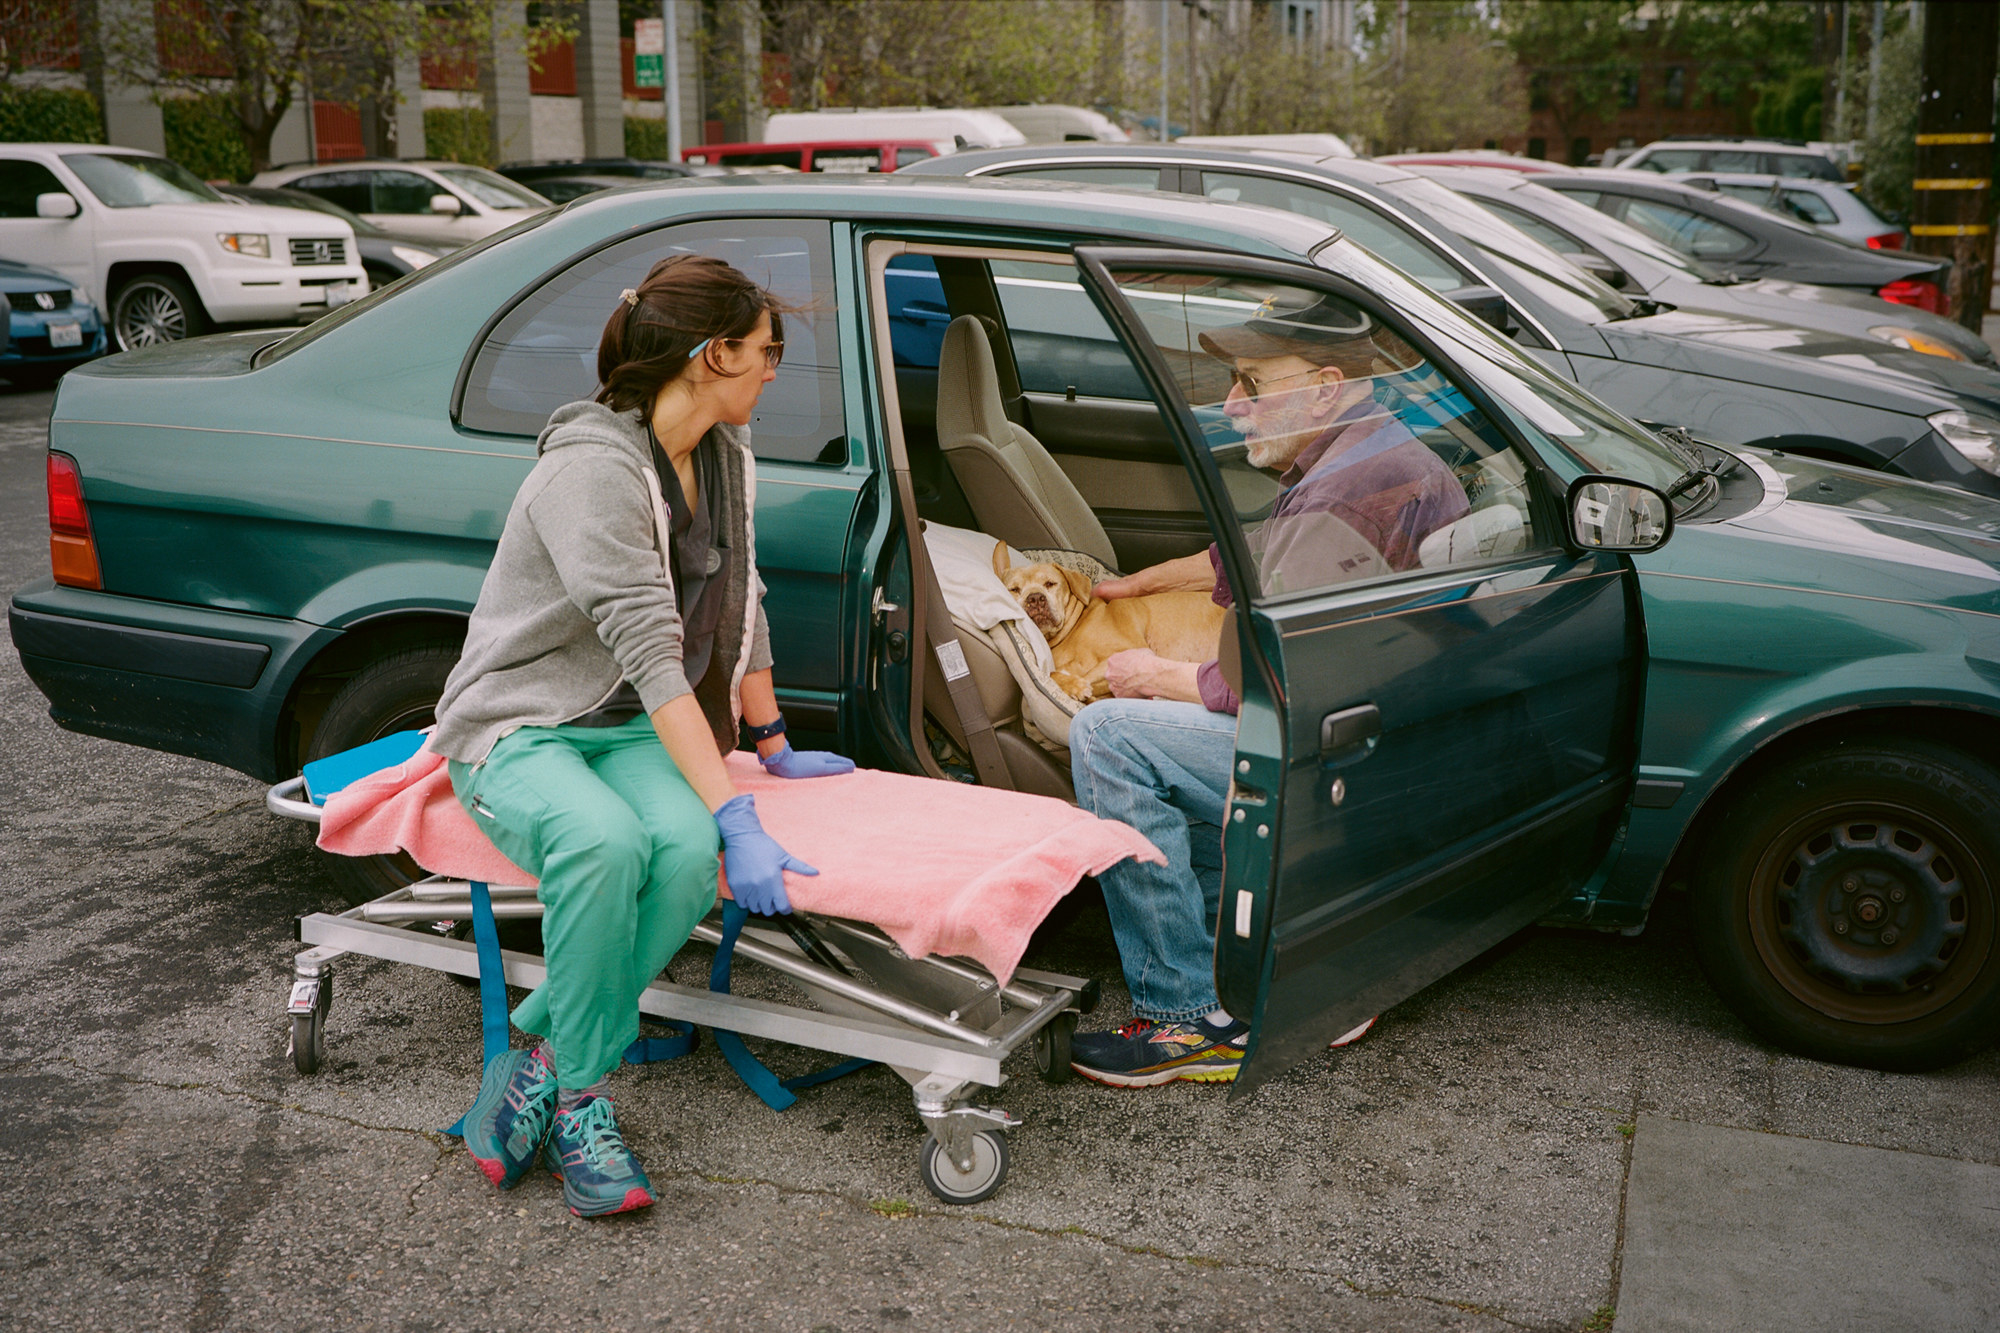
<point x="1616" y="514"/>
<point x="446" y="205"/>
<point x="1485" y="303"/>
<point x="57" y="204"/>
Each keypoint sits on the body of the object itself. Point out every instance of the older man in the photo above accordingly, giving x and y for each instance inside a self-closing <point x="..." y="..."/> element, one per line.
<point x="1360" y="493"/>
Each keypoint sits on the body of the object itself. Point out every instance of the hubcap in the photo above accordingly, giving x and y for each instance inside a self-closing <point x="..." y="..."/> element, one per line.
<point x="149" y="316"/>
<point x="1871" y="914"/>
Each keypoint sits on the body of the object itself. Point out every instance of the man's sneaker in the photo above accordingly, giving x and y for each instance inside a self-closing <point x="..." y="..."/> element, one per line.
<point x="510" y="1117"/>
<point x="1144" y="1053"/>
<point x="599" y="1174"/>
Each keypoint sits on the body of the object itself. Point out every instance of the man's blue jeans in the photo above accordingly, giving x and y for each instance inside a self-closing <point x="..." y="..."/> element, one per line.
<point x="1163" y="768"/>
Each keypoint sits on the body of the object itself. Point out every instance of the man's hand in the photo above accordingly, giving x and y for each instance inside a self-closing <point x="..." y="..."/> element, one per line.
<point x="1189" y="573"/>
<point x="1141" y="673"/>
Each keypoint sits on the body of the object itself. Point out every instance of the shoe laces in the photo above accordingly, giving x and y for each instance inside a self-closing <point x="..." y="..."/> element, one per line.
<point x="1136" y="1027"/>
<point x="594" y="1129"/>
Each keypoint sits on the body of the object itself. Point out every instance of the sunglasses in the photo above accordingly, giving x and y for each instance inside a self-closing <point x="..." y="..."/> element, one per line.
<point x="774" y="351"/>
<point x="1247" y="382"/>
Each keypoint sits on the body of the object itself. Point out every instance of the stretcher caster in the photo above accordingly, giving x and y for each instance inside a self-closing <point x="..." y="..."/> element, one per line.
<point x="1052" y="1051"/>
<point x="311" y="998"/>
<point x="988" y="1168"/>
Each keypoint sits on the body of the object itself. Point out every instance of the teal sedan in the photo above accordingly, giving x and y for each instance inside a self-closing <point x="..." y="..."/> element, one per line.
<point x="1633" y="662"/>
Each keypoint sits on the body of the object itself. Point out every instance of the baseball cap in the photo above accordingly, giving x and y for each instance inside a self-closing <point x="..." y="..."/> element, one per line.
<point x="1298" y="331"/>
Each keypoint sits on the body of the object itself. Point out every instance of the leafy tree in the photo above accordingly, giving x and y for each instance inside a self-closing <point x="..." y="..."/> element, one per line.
<point x="1580" y="51"/>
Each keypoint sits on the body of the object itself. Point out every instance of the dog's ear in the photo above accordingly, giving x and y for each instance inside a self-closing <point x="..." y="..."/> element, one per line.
<point x="1003" y="560"/>
<point x="1079" y="585"/>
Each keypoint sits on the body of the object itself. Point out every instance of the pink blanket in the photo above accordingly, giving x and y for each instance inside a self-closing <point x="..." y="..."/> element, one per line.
<point x="942" y="867"/>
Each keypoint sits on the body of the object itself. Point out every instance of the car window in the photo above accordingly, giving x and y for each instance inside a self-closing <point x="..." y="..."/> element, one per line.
<point x="349" y="189"/>
<point x="1588" y="198"/>
<point x="135" y="181"/>
<point x="544" y="352"/>
<point x="1803" y="164"/>
<point x="1369" y="226"/>
<point x="1559" y="241"/>
<point x="1384" y="466"/>
<point x="1759" y="195"/>
<point x="1808" y="207"/>
<point x="1688" y="232"/>
<point x="21" y="182"/>
<point x="492" y="189"/>
<point x="1060" y="339"/>
<point x="908" y="156"/>
<point x="404" y="193"/>
<point x="1132" y="178"/>
<point x="1735" y="159"/>
<point x="1670" y="159"/>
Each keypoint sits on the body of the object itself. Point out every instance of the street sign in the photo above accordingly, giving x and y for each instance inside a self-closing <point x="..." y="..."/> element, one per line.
<point x="649" y="50"/>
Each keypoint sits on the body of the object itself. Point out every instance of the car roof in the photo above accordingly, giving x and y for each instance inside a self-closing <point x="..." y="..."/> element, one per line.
<point x="1481" y="158"/>
<point x="1761" y="145"/>
<point x="1362" y="169"/>
<point x="356" y="163"/>
<point x="1761" y="178"/>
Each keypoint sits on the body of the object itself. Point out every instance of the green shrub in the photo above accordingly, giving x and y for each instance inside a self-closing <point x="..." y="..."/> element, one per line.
<point x="453" y="134"/>
<point x="203" y="136"/>
<point x="49" y="115"/>
<point x="645" y="138"/>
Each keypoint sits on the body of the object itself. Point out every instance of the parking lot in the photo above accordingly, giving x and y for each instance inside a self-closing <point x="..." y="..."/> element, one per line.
<point x="1571" y="1130"/>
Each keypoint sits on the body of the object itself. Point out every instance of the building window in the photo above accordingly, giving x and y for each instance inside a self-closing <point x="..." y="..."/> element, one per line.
<point x="1538" y="148"/>
<point x="1673" y="89"/>
<point x="1579" y="150"/>
<point x="1628" y="88"/>
<point x="1538" y="91"/>
<point x="1291" y="20"/>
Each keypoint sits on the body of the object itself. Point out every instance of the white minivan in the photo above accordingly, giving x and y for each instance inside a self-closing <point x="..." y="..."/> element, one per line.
<point x="167" y="255"/>
<point x="944" y="128"/>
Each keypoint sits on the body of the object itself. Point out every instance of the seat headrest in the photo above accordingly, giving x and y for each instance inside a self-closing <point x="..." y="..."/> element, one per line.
<point x="969" y="386"/>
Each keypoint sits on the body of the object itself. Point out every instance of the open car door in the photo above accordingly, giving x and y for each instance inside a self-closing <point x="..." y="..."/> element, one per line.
<point x="1439" y="692"/>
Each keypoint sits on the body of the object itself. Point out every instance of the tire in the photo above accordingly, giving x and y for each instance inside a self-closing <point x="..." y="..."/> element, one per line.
<point x="155" y="308"/>
<point x="398" y="692"/>
<point x="950" y="1185"/>
<point x="1052" y="1049"/>
<point x="1846" y="907"/>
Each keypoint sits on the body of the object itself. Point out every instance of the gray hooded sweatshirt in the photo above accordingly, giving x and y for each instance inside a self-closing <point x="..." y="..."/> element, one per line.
<point x="579" y="598"/>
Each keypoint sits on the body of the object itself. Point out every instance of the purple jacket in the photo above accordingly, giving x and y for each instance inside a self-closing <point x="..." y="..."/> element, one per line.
<point x="1358" y="501"/>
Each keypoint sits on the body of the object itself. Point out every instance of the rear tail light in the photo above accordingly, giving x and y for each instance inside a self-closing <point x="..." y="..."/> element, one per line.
<point x="72" y="553"/>
<point x="1913" y="291"/>
<point x="1888" y="240"/>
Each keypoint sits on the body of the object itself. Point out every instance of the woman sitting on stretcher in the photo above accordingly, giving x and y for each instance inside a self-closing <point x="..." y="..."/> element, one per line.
<point x="618" y="638"/>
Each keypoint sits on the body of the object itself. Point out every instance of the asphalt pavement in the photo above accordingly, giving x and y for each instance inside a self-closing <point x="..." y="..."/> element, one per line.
<point x="1569" y="1133"/>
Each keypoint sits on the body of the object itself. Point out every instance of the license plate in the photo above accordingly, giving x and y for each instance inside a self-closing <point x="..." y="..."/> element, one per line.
<point x="65" y="335"/>
<point x="339" y="293"/>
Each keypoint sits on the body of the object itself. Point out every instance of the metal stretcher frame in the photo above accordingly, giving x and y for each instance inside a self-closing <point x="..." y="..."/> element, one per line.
<point x="943" y="1024"/>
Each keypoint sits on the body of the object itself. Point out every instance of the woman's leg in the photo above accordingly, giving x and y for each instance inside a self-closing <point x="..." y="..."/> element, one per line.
<point x="538" y="800"/>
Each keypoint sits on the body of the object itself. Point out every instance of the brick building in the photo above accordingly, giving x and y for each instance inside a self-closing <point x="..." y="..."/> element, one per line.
<point x="1650" y="98"/>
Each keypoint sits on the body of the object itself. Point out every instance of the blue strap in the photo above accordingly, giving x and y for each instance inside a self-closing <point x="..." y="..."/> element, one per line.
<point x="492" y="985"/>
<point x="651" y="1050"/>
<point x="774" y="1092"/>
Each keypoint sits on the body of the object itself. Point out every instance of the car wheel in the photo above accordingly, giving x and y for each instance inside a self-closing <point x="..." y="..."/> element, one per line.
<point x="1846" y="908"/>
<point x="155" y="308"/>
<point x="398" y="692"/>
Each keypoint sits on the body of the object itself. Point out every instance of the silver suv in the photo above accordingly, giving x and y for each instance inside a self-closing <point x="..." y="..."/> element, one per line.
<point x="1768" y="157"/>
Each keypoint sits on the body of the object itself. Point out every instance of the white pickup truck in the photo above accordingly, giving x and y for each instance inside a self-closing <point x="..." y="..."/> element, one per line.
<point x="168" y="256"/>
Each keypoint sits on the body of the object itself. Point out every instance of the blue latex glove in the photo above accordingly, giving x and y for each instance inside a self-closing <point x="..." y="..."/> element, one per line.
<point x="753" y="860"/>
<point x="790" y="763"/>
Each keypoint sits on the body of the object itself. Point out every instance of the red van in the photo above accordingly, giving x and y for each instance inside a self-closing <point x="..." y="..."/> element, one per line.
<point x="843" y="155"/>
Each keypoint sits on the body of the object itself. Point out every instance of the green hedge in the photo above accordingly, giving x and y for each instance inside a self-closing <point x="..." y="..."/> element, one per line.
<point x="49" y="115"/>
<point x="459" y="135"/>
<point x="203" y="136"/>
<point x="645" y="138"/>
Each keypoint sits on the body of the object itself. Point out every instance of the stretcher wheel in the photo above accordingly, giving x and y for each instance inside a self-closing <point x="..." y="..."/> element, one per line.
<point x="1052" y="1048"/>
<point x="943" y="1178"/>
<point x="309" y="1030"/>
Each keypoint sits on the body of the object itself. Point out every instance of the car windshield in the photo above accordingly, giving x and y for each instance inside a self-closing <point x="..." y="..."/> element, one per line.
<point x="1565" y="212"/>
<point x="312" y="202"/>
<point x="1550" y="276"/>
<point x="122" y="180"/>
<point x="491" y="189"/>
<point x="1543" y="406"/>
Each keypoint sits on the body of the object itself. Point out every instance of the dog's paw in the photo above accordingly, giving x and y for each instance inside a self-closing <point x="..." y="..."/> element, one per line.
<point x="1075" y="687"/>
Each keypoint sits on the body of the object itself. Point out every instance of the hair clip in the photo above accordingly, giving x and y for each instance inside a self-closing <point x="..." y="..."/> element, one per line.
<point x="698" y="346"/>
<point x="629" y="297"/>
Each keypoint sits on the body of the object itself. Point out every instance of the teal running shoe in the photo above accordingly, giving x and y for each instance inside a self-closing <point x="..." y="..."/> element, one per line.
<point x="600" y="1176"/>
<point x="509" y="1120"/>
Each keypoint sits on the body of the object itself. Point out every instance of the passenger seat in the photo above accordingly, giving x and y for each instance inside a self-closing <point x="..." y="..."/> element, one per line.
<point x="1017" y="492"/>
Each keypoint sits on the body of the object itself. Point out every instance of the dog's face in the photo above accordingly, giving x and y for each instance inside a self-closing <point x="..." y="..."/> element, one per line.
<point x="1054" y="597"/>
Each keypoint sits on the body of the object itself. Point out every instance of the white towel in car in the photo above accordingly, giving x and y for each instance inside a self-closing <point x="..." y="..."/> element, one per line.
<point x="964" y="564"/>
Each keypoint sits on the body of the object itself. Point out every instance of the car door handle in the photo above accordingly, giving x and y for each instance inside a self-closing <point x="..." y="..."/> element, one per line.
<point x="1345" y="731"/>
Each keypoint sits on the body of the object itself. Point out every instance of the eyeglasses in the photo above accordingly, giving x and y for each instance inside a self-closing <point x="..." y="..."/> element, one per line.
<point x="774" y="351"/>
<point x="1247" y="382"/>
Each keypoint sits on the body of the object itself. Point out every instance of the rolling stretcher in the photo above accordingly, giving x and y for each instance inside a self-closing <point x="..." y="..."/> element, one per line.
<point x="947" y="1025"/>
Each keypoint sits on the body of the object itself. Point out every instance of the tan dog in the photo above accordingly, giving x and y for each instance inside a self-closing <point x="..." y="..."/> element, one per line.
<point x="1084" y="630"/>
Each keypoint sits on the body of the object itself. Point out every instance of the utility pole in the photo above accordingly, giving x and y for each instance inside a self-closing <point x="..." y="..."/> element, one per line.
<point x="1840" y="84"/>
<point x="1954" y="174"/>
<point x="1194" y="70"/>
<point x="1164" y="53"/>
<point x="670" y="24"/>
<point x="1874" y="66"/>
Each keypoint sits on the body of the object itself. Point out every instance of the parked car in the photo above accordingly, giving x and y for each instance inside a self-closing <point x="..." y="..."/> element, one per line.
<point x="562" y="189"/>
<point x="1722" y="378"/>
<point x="385" y="255"/>
<point x="1474" y="157"/>
<point x="1771" y="157"/>
<point x="447" y="202"/>
<point x="836" y="155"/>
<point x="1651" y="658"/>
<point x="1638" y="265"/>
<point x="51" y="325"/>
<point x="1826" y="205"/>
<point x="1315" y="146"/>
<point x="638" y="168"/>
<point x="943" y="128"/>
<point x="1752" y="243"/>
<point x="1048" y="122"/>
<point x="171" y="257"/>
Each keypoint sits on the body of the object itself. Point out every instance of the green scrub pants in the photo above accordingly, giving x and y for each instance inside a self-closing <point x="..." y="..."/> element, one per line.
<point x="626" y="855"/>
